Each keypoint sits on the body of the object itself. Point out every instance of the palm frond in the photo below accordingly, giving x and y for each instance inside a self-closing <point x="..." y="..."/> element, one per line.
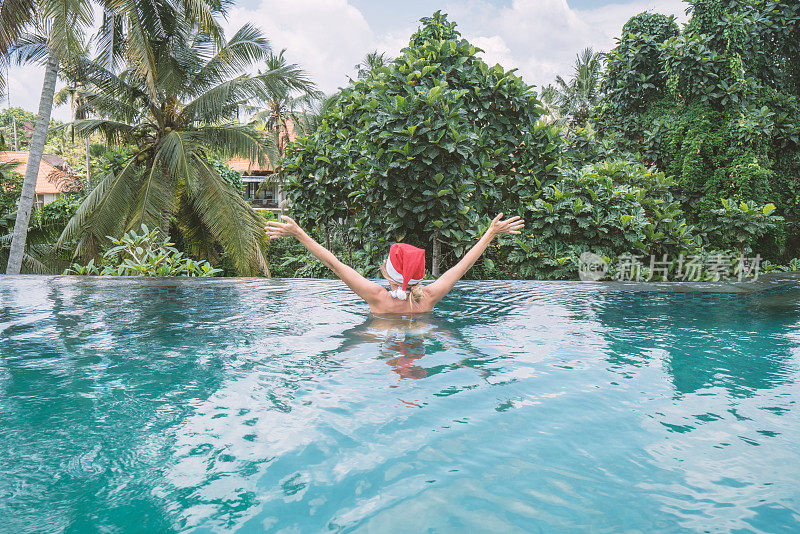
<point x="201" y="13"/>
<point x="123" y="90"/>
<point x="247" y="46"/>
<point x="105" y="211"/>
<point x="67" y="21"/>
<point x="238" y="140"/>
<point x="110" y="40"/>
<point x="30" y="47"/>
<point x="227" y="216"/>
<point x="114" y="132"/>
<point x="15" y="16"/>
<point x="155" y="201"/>
<point x="220" y="101"/>
<point x="198" y="241"/>
<point x="35" y="265"/>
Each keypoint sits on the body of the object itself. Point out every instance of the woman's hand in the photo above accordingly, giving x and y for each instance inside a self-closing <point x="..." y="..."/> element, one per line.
<point x="509" y="226"/>
<point x="276" y="229"/>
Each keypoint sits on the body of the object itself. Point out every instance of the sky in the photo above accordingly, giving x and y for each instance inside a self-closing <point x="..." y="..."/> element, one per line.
<point x="540" y="38"/>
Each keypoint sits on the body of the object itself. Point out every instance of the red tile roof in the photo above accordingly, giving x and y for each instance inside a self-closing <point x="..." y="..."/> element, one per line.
<point x="52" y="178"/>
<point x="247" y="166"/>
<point x="244" y="165"/>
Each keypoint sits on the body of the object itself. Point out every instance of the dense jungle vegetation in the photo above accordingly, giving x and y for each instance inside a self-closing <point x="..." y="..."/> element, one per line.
<point x="681" y="144"/>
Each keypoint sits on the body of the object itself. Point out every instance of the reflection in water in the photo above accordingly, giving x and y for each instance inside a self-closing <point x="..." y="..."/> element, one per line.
<point x="401" y="341"/>
<point x="284" y="406"/>
<point x="706" y="340"/>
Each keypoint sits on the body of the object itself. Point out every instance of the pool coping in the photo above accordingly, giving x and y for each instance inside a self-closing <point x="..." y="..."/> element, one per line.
<point x="764" y="282"/>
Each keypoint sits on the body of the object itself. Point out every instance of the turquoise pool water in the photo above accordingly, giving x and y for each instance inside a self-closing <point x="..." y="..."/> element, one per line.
<point x="130" y="406"/>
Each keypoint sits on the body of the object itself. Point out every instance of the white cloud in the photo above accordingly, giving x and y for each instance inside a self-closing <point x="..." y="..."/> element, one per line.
<point x="328" y="37"/>
<point x="325" y="37"/>
<point x="25" y="88"/>
<point x="542" y="37"/>
<point x="495" y="50"/>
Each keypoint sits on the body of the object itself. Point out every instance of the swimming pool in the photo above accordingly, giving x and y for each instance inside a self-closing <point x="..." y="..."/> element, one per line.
<point x="281" y="405"/>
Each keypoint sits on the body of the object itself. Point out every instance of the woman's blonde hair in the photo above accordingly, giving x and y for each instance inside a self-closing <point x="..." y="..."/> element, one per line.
<point x="415" y="292"/>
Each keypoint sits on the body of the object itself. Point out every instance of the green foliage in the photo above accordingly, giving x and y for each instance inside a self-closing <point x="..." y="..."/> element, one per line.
<point x="233" y="178"/>
<point x="25" y="121"/>
<point x="609" y="208"/>
<point x="424" y="148"/>
<point x="740" y="223"/>
<point x="55" y="215"/>
<point x="144" y="254"/>
<point x="579" y="96"/>
<point x="164" y="178"/>
<point x="46" y="223"/>
<point x="10" y="189"/>
<point x="635" y="76"/>
<point x="715" y="106"/>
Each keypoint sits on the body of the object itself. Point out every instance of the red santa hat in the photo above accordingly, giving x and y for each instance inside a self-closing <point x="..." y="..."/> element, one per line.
<point x="405" y="265"/>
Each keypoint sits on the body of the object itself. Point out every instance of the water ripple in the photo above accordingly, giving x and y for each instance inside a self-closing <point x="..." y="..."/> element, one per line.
<point x="282" y="405"/>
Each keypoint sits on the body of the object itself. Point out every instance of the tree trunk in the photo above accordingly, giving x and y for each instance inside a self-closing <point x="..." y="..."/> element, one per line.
<point x="437" y="256"/>
<point x="88" y="167"/>
<point x="16" y="142"/>
<point x="34" y="159"/>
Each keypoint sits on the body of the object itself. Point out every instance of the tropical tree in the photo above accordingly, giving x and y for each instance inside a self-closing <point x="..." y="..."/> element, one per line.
<point x="75" y="93"/>
<point x="311" y="115"/>
<point x="424" y="149"/>
<point x="52" y="33"/>
<point x="581" y="94"/>
<point x="280" y="105"/>
<point x="715" y="105"/>
<point x="550" y="98"/>
<point x="168" y="181"/>
<point x="372" y="62"/>
<point x="56" y="27"/>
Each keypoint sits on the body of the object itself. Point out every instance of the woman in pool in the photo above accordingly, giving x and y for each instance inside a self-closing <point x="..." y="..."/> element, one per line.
<point x="404" y="269"/>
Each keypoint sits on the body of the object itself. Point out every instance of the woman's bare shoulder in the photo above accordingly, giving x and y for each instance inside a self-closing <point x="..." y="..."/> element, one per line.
<point x="385" y="303"/>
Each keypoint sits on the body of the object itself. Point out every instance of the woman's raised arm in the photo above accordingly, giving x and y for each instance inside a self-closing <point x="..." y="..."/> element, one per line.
<point x="369" y="291"/>
<point x="442" y="286"/>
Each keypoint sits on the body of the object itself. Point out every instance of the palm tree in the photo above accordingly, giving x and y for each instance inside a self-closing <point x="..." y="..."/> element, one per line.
<point x="75" y="93"/>
<point x="283" y="104"/>
<point x="52" y="32"/>
<point x="372" y="61"/>
<point x="168" y="181"/>
<point x="310" y="116"/>
<point x="550" y="99"/>
<point x="62" y="23"/>
<point x="581" y="94"/>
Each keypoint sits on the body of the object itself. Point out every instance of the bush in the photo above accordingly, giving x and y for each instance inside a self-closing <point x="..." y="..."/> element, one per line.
<point x="145" y="254"/>
<point x="739" y="224"/>
<point x="423" y="150"/>
<point x="715" y="106"/>
<point x="610" y="208"/>
<point x="10" y="189"/>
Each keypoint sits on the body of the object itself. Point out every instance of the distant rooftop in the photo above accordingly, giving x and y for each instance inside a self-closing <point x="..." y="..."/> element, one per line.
<point x="54" y="176"/>
<point x="252" y="168"/>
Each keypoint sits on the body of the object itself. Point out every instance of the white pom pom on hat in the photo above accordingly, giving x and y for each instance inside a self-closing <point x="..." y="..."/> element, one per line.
<point x="399" y="294"/>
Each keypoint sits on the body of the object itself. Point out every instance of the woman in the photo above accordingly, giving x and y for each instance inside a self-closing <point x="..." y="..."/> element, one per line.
<point x="403" y="269"/>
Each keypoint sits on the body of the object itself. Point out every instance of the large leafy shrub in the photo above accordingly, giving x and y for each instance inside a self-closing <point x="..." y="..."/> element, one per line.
<point x="612" y="208"/>
<point x="422" y="149"/>
<point x="715" y="106"/>
<point x="144" y="254"/>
